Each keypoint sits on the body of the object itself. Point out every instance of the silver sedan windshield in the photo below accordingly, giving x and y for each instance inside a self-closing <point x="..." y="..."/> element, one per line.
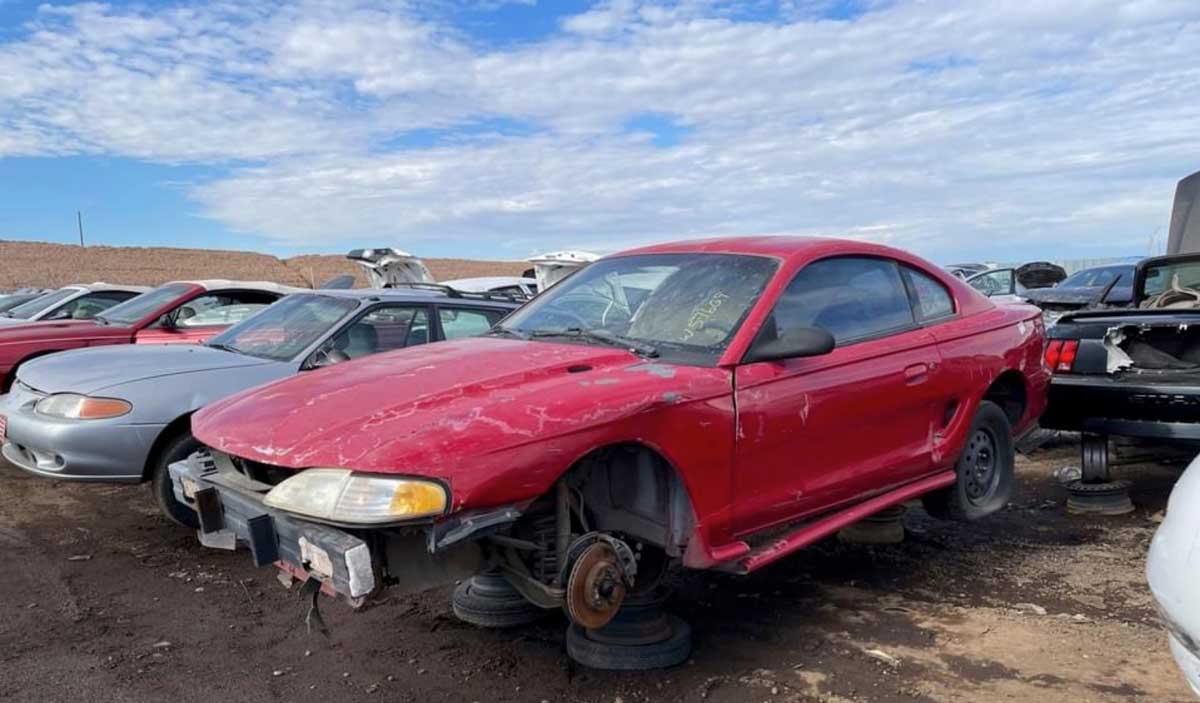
<point x="286" y="328"/>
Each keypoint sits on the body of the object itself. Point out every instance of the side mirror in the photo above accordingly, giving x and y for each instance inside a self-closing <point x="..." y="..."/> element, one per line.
<point x="324" y="357"/>
<point x="794" y="344"/>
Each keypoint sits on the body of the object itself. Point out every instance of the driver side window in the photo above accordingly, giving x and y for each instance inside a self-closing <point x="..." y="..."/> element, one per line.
<point x="852" y="298"/>
<point x="383" y="329"/>
<point x="226" y="308"/>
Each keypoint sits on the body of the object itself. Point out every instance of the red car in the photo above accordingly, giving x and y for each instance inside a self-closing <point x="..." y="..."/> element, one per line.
<point x="718" y="403"/>
<point x="179" y="312"/>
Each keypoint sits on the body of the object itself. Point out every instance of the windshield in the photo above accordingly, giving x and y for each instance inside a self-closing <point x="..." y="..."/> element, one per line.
<point x="9" y="302"/>
<point x="134" y="309"/>
<point x="994" y="282"/>
<point x="1094" y="278"/>
<point x="687" y="307"/>
<point x="286" y="328"/>
<point x="25" y="311"/>
<point x="1177" y="275"/>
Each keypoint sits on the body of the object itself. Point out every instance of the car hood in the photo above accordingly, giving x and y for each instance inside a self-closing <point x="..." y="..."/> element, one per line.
<point x="430" y="410"/>
<point x="93" y="370"/>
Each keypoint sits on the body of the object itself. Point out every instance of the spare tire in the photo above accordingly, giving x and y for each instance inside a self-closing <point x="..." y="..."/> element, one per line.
<point x="489" y="600"/>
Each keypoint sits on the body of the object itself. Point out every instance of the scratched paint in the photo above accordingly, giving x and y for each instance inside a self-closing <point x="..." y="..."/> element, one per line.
<point x="499" y="420"/>
<point x="660" y="370"/>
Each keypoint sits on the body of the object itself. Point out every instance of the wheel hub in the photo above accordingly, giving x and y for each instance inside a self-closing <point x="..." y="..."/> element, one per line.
<point x="595" y="587"/>
<point x="981" y="471"/>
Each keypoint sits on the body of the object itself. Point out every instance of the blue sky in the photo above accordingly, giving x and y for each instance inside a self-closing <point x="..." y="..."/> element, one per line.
<point x="501" y="128"/>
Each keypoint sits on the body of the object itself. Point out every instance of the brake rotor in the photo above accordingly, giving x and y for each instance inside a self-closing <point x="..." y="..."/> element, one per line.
<point x="595" y="587"/>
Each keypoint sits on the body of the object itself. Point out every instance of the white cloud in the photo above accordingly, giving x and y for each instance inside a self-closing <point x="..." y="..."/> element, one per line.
<point x="958" y="130"/>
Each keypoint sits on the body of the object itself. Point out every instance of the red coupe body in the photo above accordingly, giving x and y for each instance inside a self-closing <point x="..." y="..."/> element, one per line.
<point x="19" y="343"/>
<point x="499" y="420"/>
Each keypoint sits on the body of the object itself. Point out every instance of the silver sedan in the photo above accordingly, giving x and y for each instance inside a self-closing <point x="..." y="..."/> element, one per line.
<point x="122" y="413"/>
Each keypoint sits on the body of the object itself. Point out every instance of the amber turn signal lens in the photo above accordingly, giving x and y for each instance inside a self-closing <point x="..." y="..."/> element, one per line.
<point x="97" y="408"/>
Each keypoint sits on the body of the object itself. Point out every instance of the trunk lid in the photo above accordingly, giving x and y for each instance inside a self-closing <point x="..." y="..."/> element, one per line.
<point x="388" y="268"/>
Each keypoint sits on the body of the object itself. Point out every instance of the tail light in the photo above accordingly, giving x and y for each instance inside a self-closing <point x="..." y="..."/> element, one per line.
<point x="1060" y="354"/>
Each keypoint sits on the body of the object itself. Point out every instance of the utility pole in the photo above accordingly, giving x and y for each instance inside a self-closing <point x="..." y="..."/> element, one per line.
<point x="79" y="218"/>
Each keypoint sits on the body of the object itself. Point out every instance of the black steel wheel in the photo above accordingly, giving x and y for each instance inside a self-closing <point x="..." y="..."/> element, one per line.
<point x="984" y="470"/>
<point x="1111" y="498"/>
<point x="980" y="462"/>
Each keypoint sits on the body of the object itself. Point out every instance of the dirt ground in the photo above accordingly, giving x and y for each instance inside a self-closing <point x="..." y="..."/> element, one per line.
<point x="53" y="265"/>
<point x="104" y="601"/>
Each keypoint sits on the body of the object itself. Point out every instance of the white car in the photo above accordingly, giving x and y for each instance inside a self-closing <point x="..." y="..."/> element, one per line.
<point x="515" y="286"/>
<point x="1173" y="570"/>
<point x="75" y="302"/>
<point x="552" y="267"/>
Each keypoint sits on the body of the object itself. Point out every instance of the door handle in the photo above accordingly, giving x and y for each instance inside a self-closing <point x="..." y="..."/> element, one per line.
<point x="917" y="373"/>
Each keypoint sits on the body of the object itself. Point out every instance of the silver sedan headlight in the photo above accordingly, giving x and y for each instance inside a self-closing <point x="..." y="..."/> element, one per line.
<point x="73" y="406"/>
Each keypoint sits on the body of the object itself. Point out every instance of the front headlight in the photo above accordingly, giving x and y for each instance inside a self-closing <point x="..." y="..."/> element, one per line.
<point x="72" y="406"/>
<point x="340" y="495"/>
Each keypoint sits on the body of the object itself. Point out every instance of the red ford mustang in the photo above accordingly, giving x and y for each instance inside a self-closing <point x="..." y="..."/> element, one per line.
<point x="673" y="403"/>
<point x="183" y="311"/>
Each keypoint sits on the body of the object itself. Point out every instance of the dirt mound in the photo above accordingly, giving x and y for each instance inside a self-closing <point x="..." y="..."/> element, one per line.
<point x="321" y="268"/>
<point x="52" y="265"/>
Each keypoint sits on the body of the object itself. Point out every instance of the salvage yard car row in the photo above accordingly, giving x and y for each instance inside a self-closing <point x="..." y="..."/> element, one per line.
<point x="699" y="405"/>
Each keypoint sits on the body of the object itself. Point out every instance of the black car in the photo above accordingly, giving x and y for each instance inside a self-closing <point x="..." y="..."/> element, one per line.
<point x="1130" y="372"/>
<point x="1108" y="286"/>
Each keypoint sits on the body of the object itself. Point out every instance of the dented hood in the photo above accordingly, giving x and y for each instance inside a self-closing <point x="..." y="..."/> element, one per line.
<point x="436" y="409"/>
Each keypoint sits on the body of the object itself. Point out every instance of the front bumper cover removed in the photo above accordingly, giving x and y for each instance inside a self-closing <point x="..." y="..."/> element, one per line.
<point x="231" y="512"/>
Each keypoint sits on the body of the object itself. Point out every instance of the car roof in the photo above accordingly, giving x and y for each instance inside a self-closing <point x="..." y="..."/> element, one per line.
<point x="780" y="246"/>
<point x="268" y="286"/>
<point x="100" y="286"/>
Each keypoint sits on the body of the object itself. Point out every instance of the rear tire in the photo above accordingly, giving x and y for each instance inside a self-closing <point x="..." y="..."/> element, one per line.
<point x="176" y="449"/>
<point x="985" y="471"/>
<point x="1093" y="458"/>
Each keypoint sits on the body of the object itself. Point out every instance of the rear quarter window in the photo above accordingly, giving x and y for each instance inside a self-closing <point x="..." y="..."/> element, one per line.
<point x="933" y="300"/>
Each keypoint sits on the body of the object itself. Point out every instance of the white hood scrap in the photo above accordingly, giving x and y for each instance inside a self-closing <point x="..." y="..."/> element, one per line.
<point x="387" y="267"/>
<point x="552" y="267"/>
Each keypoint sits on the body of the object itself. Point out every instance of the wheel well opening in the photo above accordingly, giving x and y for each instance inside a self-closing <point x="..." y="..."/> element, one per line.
<point x="1008" y="391"/>
<point x="177" y="426"/>
<point x="632" y="489"/>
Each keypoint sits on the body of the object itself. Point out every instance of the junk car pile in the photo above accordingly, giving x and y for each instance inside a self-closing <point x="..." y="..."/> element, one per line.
<point x="697" y="404"/>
